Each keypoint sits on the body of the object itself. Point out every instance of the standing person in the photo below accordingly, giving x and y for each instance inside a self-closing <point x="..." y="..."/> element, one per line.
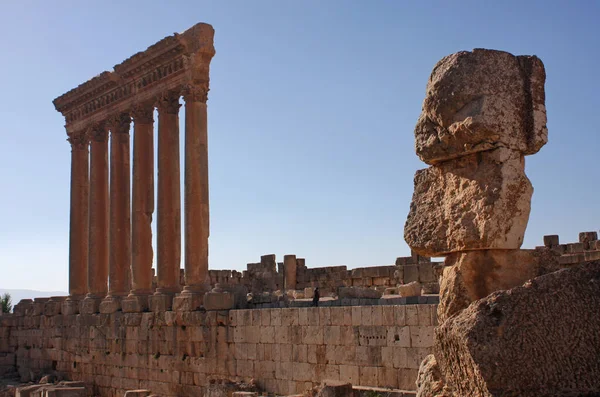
<point x="316" y="297"/>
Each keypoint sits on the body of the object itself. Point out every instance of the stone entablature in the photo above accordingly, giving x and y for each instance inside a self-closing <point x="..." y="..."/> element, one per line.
<point x="169" y="65"/>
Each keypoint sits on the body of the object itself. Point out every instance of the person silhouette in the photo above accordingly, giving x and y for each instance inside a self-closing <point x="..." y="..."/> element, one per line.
<point x="316" y="297"/>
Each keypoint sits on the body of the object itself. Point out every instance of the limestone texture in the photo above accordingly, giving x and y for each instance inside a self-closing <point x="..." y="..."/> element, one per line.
<point x="411" y="289"/>
<point x="480" y="201"/>
<point x="540" y="339"/>
<point x="481" y="100"/>
<point x="429" y="379"/>
<point x="469" y="276"/>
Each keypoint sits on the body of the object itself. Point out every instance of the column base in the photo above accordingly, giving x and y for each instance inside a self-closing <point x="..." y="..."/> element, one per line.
<point x="110" y="304"/>
<point x="218" y="301"/>
<point x="188" y="301"/>
<point x="54" y="306"/>
<point x="90" y="305"/>
<point x="70" y="307"/>
<point x="135" y="303"/>
<point x="160" y="302"/>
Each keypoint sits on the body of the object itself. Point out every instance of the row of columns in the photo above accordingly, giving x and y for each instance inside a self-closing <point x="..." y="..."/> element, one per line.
<point x="110" y="252"/>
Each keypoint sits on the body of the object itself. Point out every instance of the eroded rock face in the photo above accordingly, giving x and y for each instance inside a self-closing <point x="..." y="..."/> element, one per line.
<point x="429" y="378"/>
<point x="479" y="201"/>
<point x="540" y="339"/>
<point x="469" y="276"/>
<point x="482" y="100"/>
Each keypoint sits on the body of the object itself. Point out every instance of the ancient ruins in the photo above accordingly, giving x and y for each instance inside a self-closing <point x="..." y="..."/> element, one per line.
<point x="491" y="320"/>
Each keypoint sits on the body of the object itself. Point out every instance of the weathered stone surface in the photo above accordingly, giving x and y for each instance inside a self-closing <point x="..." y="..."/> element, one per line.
<point x="110" y="304"/>
<point x="333" y="388"/>
<point x="137" y="393"/>
<point x="481" y="201"/>
<point x="358" y="293"/>
<point x="134" y="303"/>
<point x="218" y="301"/>
<point x="27" y="391"/>
<point x="540" y="339"/>
<point x="429" y="380"/>
<point x="469" y="276"/>
<point x="482" y="100"/>
<point x="411" y="289"/>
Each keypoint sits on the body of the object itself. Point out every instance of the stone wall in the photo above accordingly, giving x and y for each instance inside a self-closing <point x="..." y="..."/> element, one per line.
<point x="285" y="351"/>
<point x="586" y="249"/>
<point x="267" y="276"/>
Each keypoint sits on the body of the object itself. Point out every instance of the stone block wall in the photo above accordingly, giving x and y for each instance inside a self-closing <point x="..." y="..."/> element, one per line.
<point x="586" y="249"/>
<point x="179" y="353"/>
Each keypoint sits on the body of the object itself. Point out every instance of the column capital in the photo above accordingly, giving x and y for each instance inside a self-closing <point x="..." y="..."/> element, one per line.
<point x="79" y="140"/>
<point x="143" y="113"/>
<point x="195" y="92"/>
<point x="99" y="133"/>
<point x="168" y="102"/>
<point x="119" y="127"/>
<point x="120" y="123"/>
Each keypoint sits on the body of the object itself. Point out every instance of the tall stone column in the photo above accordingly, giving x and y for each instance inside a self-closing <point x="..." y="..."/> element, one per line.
<point x="78" y="229"/>
<point x="97" y="277"/>
<point x="196" y="227"/>
<point x="119" y="282"/>
<point x="196" y="188"/>
<point x="290" y="265"/>
<point x="169" y="202"/>
<point x="142" y="209"/>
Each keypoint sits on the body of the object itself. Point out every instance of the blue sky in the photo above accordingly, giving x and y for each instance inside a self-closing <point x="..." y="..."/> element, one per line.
<point x="311" y="116"/>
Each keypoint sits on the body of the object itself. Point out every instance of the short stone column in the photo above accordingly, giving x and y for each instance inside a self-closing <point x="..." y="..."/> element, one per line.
<point x="98" y="237"/>
<point x="78" y="236"/>
<point x="169" y="203"/>
<point x="290" y="265"/>
<point x="119" y="281"/>
<point x="196" y="199"/>
<point x="142" y="208"/>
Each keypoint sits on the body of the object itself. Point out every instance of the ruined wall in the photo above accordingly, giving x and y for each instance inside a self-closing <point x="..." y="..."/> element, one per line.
<point x="587" y="249"/>
<point x="177" y="353"/>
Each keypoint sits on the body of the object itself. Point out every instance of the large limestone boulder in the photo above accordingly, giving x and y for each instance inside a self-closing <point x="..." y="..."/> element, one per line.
<point x="539" y="339"/>
<point x="482" y="100"/>
<point x="480" y="201"/>
<point x="472" y="275"/>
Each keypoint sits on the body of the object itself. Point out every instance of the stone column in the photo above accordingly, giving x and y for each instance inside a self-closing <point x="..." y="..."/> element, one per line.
<point x="78" y="229"/>
<point x="120" y="215"/>
<point x="98" y="236"/>
<point x="169" y="202"/>
<point x="290" y="265"/>
<point x="196" y="226"/>
<point x="142" y="209"/>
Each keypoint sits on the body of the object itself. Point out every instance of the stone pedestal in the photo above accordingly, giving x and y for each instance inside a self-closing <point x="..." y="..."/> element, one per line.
<point x="188" y="301"/>
<point x="70" y="306"/>
<point x="53" y="306"/>
<point x="90" y="305"/>
<point x="135" y="304"/>
<point x="160" y="302"/>
<point x="218" y="300"/>
<point x="110" y="304"/>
